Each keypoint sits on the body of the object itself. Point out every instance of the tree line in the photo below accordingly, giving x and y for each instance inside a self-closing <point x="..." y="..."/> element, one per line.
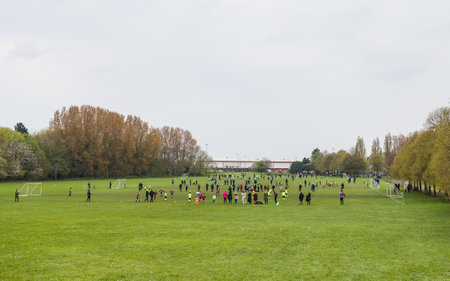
<point x="422" y="158"/>
<point x="87" y="141"/>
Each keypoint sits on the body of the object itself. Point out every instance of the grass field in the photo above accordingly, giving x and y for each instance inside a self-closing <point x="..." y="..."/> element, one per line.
<point x="370" y="237"/>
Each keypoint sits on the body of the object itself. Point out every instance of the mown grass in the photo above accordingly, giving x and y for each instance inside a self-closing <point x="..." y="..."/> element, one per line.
<point x="371" y="237"/>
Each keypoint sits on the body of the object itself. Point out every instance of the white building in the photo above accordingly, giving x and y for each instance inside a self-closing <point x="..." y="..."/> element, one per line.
<point x="246" y="164"/>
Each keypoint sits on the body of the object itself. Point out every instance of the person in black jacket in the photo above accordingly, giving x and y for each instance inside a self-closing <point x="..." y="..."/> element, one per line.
<point x="308" y="198"/>
<point x="249" y="198"/>
<point x="151" y="195"/>
<point x="275" y="196"/>
<point x="255" y="198"/>
<point x="88" y="195"/>
<point x="300" y="197"/>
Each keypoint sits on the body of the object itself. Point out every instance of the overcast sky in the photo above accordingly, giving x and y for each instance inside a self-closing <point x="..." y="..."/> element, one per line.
<point x="249" y="78"/>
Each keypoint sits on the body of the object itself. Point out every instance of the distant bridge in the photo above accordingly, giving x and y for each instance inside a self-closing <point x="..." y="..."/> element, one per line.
<point x="246" y="164"/>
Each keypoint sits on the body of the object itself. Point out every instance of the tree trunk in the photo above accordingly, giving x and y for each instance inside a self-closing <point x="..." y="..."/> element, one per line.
<point x="434" y="189"/>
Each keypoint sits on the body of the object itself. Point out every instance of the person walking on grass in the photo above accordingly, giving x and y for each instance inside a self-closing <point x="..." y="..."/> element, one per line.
<point x="275" y="196"/>
<point x="236" y="197"/>
<point x="230" y="196"/>
<point x="266" y="198"/>
<point x="308" y="198"/>
<point x="16" y="196"/>
<point x="88" y="195"/>
<point x="189" y="197"/>
<point x="151" y="195"/>
<point x="341" y="196"/>
<point x="225" y="196"/>
<point x="243" y="197"/>
<point x="300" y="198"/>
<point x="138" y="197"/>
<point x="70" y="191"/>
<point x="214" y="199"/>
<point x="249" y="198"/>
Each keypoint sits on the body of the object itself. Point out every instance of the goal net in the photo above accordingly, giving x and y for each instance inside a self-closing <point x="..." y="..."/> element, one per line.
<point x="373" y="183"/>
<point x="120" y="183"/>
<point x="387" y="189"/>
<point x="31" y="189"/>
<point x="393" y="192"/>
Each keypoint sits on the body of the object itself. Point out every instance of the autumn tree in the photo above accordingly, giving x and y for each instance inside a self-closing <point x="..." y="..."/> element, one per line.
<point x="201" y="166"/>
<point x="315" y="157"/>
<point x="56" y="156"/>
<point x="354" y="164"/>
<point x="376" y="159"/>
<point x="360" y="148"/>
<point x="376" y="148"/>
<point x="388" y="151"/>
<point x="178" y="150"/>
<point x="376" y="162"/>
<point x="101" y="143"/>
<point x="439" y="167"/>
<point x="423" y="157"/>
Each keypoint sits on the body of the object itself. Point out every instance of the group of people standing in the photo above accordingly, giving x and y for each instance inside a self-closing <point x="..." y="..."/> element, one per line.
<point x="248" y="194"/>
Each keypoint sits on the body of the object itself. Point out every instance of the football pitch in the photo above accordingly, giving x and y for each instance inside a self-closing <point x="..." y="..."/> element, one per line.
<point x="370" y="237"/>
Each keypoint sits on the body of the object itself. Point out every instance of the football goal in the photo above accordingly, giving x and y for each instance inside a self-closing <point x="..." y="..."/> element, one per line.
<point x="373" y="183"/>
<point x="120" y="183"/>
<point x="387" y="189"/>
<point x="394" y="193"/>
<point x="31" y="189"/>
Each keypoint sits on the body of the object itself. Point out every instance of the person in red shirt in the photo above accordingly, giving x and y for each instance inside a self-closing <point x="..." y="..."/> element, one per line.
<point x="225" y="195"/>
<point x="138" y="197"/>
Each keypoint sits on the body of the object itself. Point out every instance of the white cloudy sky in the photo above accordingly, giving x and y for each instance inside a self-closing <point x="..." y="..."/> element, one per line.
<point x="249" y="78"/>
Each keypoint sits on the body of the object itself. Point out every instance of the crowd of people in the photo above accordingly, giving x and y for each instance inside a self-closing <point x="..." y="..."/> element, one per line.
<point x="260" y="189"/>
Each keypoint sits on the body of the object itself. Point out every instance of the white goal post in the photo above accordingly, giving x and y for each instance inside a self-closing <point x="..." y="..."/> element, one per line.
<point x="120" y="183"/>
<point x="31" y="189"/>
<point x="373" y="184"/>
<point x="389" y="190"/>
<point x="393" y="192"/>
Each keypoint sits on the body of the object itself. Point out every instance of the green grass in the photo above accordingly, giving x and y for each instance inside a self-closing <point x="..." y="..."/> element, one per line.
<point x="371" y="237"/>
